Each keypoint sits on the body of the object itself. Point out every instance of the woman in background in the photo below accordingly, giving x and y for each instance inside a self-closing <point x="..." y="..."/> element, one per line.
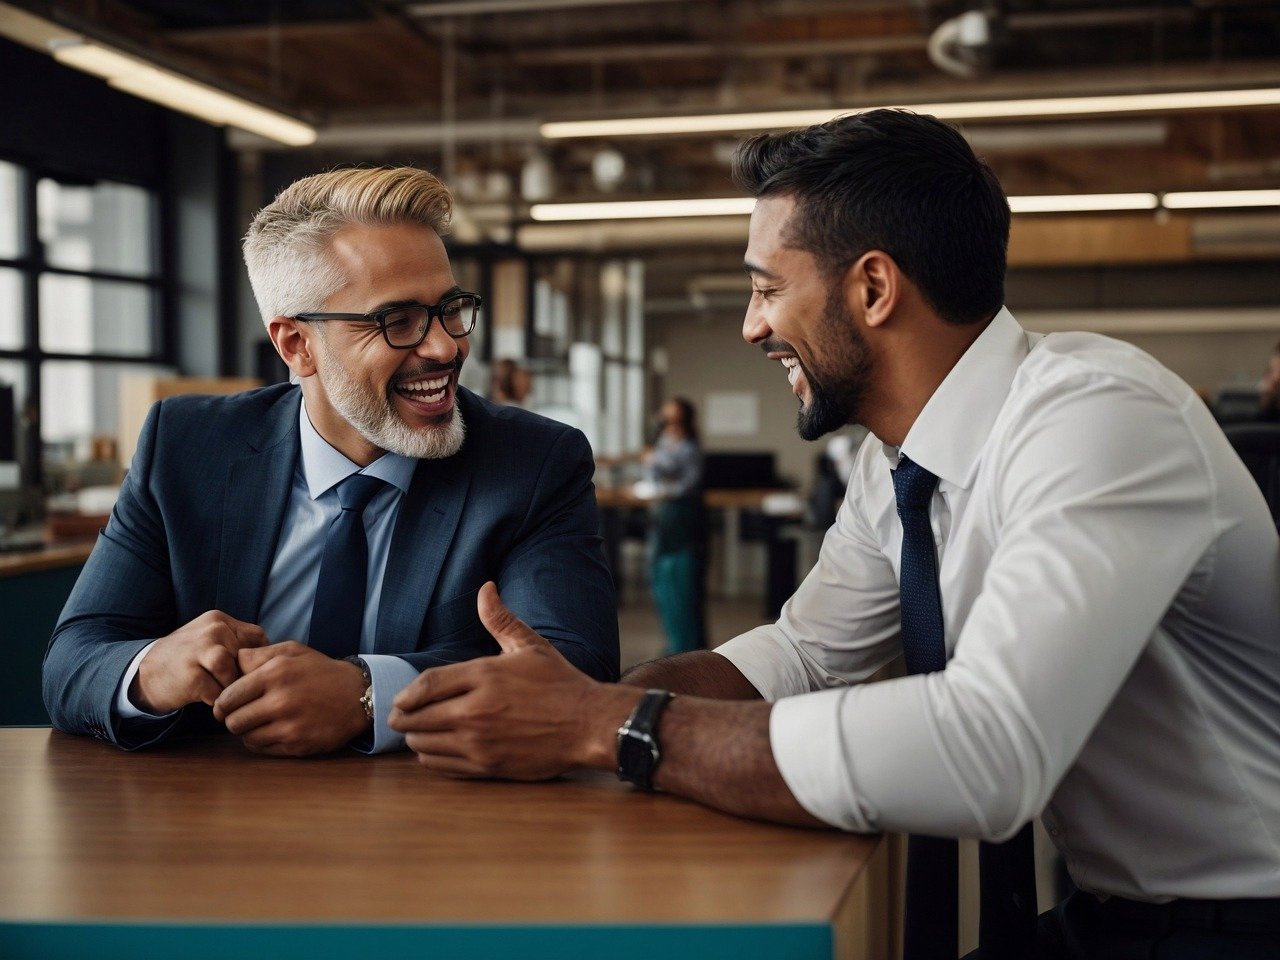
<point x="674" y="468"/>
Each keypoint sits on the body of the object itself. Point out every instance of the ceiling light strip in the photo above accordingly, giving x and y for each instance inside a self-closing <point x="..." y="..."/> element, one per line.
<point x="1059" y="203"/>
<point x="142" y="79"/>
<point x="643" y="209"/>
<point x="1201" y="199"/>
<point x="964" y="110"/>
<point x="1084" y="202"/>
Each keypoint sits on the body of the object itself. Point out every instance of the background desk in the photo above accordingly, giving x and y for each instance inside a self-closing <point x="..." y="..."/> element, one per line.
<point x="205" y="850"/>
<point x="613" y="502"/>
<point x="34" y="585"/>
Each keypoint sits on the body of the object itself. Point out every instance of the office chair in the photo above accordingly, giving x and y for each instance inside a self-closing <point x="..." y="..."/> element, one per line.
<point x="1258" y="445"/>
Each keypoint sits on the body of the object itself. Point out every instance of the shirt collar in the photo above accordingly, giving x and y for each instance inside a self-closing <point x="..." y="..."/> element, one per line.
<point x="953" y="427"/>
<point x="323" y="467"/>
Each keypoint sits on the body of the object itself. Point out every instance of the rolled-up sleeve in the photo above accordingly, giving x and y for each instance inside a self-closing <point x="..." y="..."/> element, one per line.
<point x="1107" y="507"/>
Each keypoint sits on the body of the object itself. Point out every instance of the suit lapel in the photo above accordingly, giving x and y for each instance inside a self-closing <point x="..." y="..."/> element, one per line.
<point x="423" y="534"/>
<point x="257" y="495"/>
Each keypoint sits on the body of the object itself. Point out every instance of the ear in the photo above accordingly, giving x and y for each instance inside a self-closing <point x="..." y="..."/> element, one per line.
<point x="873" y="287"/>
<point x="295" y="343"/>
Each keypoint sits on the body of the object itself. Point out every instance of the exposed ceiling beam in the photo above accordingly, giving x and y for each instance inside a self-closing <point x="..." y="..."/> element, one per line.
<point x="250" y="32"/>
<point x="472" y="8"/>
<point x="603" y="53"/>
<point x="408" y="133"/>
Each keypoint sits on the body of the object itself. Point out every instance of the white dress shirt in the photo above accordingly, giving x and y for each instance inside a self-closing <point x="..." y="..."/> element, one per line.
<point x="295" y="570"/>
<point x="1110" y="580"/>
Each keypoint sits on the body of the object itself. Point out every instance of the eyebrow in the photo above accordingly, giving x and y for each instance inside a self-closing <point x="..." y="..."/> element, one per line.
<point x="415" y="303"/>
<point x="753" y="271"/>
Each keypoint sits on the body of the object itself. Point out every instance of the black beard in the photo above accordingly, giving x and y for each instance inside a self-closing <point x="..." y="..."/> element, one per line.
<point x="832" y="407"/>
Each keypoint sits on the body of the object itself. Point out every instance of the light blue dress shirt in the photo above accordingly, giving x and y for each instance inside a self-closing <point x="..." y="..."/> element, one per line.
<point x="295" y="570"/>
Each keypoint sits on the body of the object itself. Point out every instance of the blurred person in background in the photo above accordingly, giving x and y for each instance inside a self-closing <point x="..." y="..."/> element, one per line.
<point x="510" y="383"/>
<point x="1269" y="388"/>
<point x="673" y="470"/>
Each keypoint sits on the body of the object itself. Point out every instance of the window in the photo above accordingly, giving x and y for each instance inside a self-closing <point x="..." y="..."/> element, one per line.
<point x="81" y="293"/>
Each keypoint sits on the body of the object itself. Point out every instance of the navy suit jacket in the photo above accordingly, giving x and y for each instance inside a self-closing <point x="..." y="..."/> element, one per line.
<point x="196" y="526"/>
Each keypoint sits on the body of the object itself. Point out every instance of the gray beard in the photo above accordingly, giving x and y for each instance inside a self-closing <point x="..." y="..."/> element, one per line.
<point x="376" y="419"/>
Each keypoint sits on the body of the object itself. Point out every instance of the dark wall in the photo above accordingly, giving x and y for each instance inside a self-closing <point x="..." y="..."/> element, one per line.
<point x="74" y="124"/>
<point x="64" y="122"/>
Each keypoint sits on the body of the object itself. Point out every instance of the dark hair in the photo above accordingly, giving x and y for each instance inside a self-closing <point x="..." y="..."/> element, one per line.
<point x="689" y="415"/>
<point x="896" y="181"/>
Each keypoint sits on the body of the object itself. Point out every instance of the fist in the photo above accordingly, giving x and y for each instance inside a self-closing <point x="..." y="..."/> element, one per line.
<point x="194" y="663"/>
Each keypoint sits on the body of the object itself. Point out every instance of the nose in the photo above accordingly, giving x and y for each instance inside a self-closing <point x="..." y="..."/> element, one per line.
<point x="754" y="326"/>
<point x="438" y="346"/>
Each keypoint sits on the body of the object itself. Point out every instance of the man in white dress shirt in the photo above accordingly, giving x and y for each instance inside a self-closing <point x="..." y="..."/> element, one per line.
<point x="1102" y="570"/>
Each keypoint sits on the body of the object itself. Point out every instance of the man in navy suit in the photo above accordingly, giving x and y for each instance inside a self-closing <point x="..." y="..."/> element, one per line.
<point x="282" y="562"/>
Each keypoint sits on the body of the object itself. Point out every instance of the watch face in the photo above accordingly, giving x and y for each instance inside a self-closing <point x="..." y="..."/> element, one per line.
<point x="636" y="758"/>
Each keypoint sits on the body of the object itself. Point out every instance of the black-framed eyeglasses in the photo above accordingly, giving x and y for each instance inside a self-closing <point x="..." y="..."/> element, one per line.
<point x="406" y="326"/>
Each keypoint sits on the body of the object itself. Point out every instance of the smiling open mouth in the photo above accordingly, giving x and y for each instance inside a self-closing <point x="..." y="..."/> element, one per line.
<point x="426" y="390"/>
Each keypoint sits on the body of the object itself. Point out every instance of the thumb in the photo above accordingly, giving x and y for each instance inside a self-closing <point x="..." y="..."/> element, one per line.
<point x="510" y="631"/>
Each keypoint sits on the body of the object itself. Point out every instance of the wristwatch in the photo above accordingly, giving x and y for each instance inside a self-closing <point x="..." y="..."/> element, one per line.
<point x="366" y="700"/>
<point x="638" y="751"/>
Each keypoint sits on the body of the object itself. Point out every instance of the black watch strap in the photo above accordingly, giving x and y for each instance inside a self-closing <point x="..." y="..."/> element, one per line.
<point x="638" y="751"/>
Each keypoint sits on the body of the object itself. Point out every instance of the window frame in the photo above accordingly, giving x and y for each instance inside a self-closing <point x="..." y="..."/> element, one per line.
<point x="31" y="264"/>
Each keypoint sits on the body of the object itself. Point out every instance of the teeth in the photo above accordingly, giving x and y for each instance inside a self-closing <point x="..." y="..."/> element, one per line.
<point x="423" y="386"/>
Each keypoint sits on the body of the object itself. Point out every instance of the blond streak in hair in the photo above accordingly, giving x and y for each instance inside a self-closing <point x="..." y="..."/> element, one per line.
<point x="287" y="247"/>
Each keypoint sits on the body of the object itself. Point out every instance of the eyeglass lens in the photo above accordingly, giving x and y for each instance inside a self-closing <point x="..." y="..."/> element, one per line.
<point x="407" y="327"/>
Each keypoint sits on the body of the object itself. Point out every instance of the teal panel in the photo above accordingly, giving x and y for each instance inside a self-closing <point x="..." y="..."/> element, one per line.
<point x="154" y="941"/>
<point x="29" y="607"/>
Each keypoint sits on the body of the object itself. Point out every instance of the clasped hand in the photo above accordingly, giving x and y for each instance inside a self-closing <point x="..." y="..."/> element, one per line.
<point x="283" y="699"/>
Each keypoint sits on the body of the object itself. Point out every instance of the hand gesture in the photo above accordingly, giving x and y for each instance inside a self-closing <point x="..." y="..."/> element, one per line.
<point x="526" y="714"/>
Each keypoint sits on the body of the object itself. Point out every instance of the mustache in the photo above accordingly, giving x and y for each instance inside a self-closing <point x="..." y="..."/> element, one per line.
<point x="426" y="368"/>
<point x="776" y="345"/>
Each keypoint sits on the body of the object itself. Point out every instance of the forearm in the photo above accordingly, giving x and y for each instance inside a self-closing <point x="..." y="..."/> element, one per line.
<point x="698" y="673"/>
<point x="715" y="752"/>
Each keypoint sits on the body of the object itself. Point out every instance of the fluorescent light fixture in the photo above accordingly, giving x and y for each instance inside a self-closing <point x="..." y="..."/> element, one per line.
<point x="142" y="79"/>
<point x="641" y="209"/>
<point x="963" y="110"/>
<point x="1192" y="200"/>
<point x="1084" y="202"/>
<point x="1060" y="203"/>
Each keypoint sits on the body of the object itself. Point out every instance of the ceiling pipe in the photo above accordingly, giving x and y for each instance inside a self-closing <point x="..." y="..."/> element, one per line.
<point x="468" y="8"/>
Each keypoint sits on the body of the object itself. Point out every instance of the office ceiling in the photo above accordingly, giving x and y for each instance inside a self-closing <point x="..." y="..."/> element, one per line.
<point x="462" y="84"/>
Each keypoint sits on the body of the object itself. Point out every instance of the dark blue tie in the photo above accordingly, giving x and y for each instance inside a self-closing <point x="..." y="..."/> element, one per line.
<point x="1007" y="921"/>
<point x="337" y="615"/>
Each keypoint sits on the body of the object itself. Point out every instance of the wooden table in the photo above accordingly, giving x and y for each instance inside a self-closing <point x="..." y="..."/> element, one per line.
<point x="205" y="850"/>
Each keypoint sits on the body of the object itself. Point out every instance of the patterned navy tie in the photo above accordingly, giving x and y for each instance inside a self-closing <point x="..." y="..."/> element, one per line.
<point x="337" y="615"/>
<point x="1007" y="921"/>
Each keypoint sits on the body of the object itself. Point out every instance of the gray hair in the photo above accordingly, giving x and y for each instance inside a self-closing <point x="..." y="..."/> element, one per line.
<point x="286" y="248"/>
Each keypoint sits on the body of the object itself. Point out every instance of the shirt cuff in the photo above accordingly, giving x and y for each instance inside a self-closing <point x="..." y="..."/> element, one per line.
<point x="389" y="675"/>
<point x="768" y="661"/>
<point x="807" y="740"/>
<point x="125" y="709"/>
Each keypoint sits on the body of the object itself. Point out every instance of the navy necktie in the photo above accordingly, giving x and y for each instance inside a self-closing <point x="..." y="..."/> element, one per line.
<point x="337" y="615"/>
<point x="1007" y="906"/>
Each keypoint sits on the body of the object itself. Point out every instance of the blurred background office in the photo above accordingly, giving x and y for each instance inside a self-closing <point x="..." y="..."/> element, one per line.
<point x="588" y="144"/>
